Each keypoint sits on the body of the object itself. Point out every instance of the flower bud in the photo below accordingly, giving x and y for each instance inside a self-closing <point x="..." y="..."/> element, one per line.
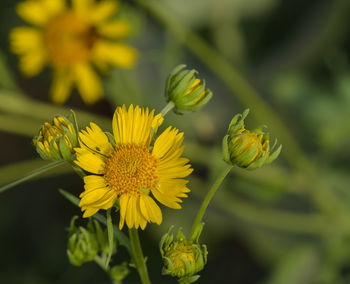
<point x="186" y="91"/>
<point x="182" y="258"/>
<point x="245" y="148"/>
<point x="82" y="245"/>
<point x="57" y="140"/>
<point x="119" y="272"/>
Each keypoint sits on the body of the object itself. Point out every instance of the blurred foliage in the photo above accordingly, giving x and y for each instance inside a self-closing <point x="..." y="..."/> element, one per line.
<point x="285" y="223"/>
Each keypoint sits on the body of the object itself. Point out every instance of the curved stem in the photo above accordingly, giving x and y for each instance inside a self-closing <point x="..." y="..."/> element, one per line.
<point x="167" y="108"/>
<point x="31" y="175"/>
<point x="137" y="256"/>
<point x="207" y="200"/>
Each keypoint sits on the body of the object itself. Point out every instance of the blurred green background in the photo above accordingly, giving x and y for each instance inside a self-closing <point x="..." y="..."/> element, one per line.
<point x="287" y="223"/>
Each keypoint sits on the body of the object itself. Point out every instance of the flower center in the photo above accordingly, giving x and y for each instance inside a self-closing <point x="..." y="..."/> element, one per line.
<point x="69" y="39"/>
<point x="131" y="169"/>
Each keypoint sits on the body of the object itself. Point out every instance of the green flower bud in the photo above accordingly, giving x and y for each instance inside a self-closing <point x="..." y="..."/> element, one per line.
<point x="57" y="140"/>
<point x="183" y="258"/>
<point x="245" y="148"/>
<point x="186" y="91"/>
<point x="82" y="244"/>
<point x="119" y="272"/>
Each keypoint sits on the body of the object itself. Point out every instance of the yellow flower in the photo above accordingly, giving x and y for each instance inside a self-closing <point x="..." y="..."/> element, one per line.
<point x="135" y="169"/>
<point x="70" y="39"/>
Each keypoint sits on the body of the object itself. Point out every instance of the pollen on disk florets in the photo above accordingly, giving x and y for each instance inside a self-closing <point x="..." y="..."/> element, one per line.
<point x="131" y="169"/>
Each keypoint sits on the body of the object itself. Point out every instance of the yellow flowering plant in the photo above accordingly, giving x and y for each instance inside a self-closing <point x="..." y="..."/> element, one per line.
<point x="130" y="174"/>
<point x="75" y="38"/>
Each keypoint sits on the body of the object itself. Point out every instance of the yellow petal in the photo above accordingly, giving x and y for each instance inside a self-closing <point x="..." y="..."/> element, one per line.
<point x="114" y="29"/>
<point x="130" y="212"/>
<point x="167" y="200"/>
<point x="89" y="211"/>
<point x="25" y="39"/>
<point x="94" y="196"/>
<point x="117" y="54"/>
<point x="94" y="139"/>
<point x="32" y="63"/>
<point x="88" y="83"/>
<point x="92" y="182"/>
<point x="61" y="85"/>
<point x="123" y="203"/>
<point x="82" y="7"/>
<point x="89" y="161"/>
<point x="134" y="125"/>
<point x="39" y="12"/>
<point x="150" y="210"/>
<point x="102" y="10"/>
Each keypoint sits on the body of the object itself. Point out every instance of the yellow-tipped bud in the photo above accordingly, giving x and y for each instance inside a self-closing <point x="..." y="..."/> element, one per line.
<point x="186" y="91"/>
<point x="245" y="148"/>
<point x="183" y="258"/>
<point x="57" y="140"/>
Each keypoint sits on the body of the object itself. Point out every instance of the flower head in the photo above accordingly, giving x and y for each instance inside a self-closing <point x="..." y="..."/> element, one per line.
<point x="183" y="258"/>
<point x="186" y="91"/>
<point x="134" y="169"/>
<point x="56" y="140"/>
<point x="245" y="148"/>
<point x="69" y="38"/>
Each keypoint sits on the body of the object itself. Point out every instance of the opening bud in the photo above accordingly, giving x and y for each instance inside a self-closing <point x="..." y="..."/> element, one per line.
<point x="182" y="258"/>
<point x="245" y="148"/>
<point x="186" y="91"/>
<point x="57" y="140"/>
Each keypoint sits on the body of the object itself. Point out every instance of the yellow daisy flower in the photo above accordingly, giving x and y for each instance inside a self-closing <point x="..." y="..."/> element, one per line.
<point x="69" y="38"/>
<point x="135" y="170"/>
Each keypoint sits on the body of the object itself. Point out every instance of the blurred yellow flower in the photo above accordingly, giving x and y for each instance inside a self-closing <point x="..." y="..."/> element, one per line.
<point x="71" y="39"/>
<point x="134" y="168"/>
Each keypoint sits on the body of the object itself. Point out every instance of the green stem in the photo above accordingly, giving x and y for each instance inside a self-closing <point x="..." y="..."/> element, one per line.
<point x="207" y="200"/>
<point x="137" y="255"/>
<point x="110" y="237"/>
<point x="167" y="108"/>
<point x="31" y="175"/>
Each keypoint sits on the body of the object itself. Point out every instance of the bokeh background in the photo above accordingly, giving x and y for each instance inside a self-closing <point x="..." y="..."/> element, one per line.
<point x="287" y="223"/>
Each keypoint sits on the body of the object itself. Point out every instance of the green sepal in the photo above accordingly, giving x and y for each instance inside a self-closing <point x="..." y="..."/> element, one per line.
<point x="274" y="155"/>
<point x="54" y="153"/>
<point x="225" y="149"/>
<point x="110" y="137"/>
<point x="171" y="80"/>
<point x="188" y="279"/>
<point x="183" y="86"/>
<point x="64" y="148"/>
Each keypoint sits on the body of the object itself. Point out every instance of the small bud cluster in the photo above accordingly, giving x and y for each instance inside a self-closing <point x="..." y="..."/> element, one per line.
<point x="186" y="91"/>
<point x="247" y="149"/>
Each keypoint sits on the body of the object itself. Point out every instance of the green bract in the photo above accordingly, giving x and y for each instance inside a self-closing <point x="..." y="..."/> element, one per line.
<point x="183" y="258"/>
<point x="186" y="91"/>
<point x="56" y="141"/>
<point x="245" y="148"/>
